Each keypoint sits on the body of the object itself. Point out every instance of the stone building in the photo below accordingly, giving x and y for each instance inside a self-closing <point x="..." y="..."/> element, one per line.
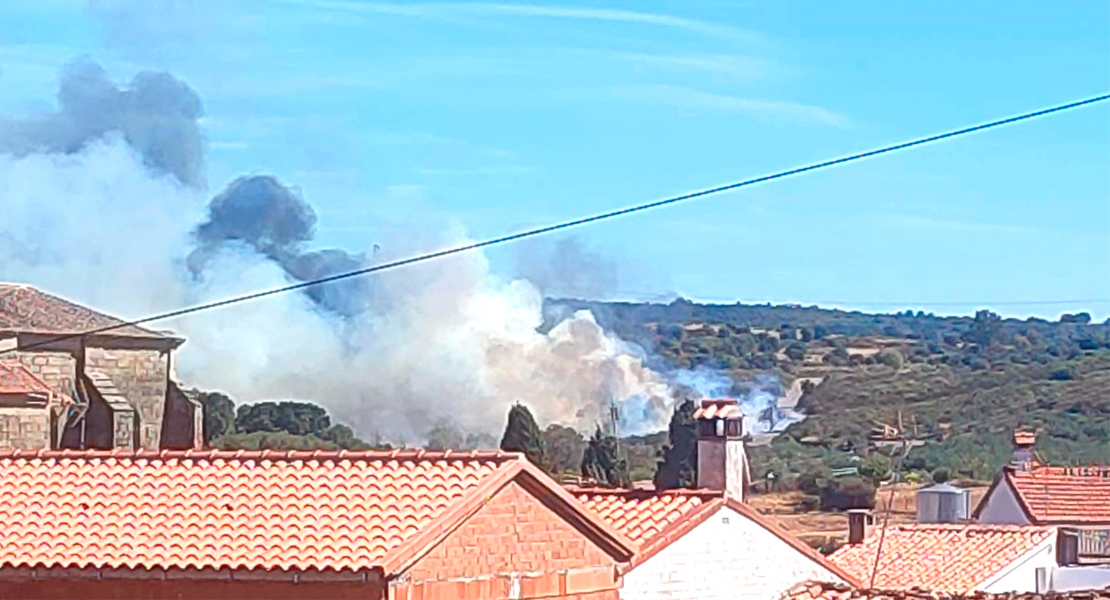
<point x="112" y="389"/>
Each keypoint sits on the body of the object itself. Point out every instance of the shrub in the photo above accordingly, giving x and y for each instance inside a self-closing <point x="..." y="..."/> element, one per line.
<point x="1062" y="373"/>
<point x="846" y="494"/>
<point x="809" y="503"/>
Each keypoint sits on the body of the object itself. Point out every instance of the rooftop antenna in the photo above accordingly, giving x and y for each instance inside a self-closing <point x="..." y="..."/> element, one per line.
<point x="614" y="424"/>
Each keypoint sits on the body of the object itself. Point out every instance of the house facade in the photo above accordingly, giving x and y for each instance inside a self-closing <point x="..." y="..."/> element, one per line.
<point x="705" y="543"/>
<point x="113" y="389"/>
<point x="400" y="525"/>
<point x="700" y="544"/>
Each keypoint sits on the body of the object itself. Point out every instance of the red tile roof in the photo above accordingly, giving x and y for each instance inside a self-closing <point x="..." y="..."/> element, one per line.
<point x="243" y="510"/>
<point x="817" y="590"/>
<point x="640" y="514"/>
<point x="658" y="519"/>
<point x="1025" y="438"/>
<point x="26" y="309"/>
<point x="942" y="558"/>
<point x="18" y="379"/>
<point x="1063" y="495"/>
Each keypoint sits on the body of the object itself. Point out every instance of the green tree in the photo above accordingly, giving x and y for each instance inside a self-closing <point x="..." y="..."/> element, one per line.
<point x="480" y="441"/>
<point x="523" y="435"/>
<point x="564" y="448"/>
<point x="796" y="351"/>
<point x="678" y="467"/>
<point x="602" y="463"/>
<point x="847" y="493"/>
<point x="877" y="468"/>
<point x="985" y="329"/>
<point x="445" y="435"/>
<point x="273" y="440"/>
<point x="892" y="357"/>
<point x="219" y="415"/>
<point x="297" y="418"/>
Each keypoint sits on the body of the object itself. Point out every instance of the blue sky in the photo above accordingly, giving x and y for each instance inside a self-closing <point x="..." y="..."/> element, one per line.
<point x="510" y="115"/>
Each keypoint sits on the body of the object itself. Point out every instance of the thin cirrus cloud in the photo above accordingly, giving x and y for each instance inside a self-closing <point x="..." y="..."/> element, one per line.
<point x="478" y="171"/>
<point x="476" y="9"/>
<point x="917" y="222"/>
<point x="694" y="99"/>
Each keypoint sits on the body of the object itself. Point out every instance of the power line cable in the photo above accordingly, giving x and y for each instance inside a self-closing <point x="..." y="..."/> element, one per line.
<point x="895" y="471"/>
<point x="574" y="223"/>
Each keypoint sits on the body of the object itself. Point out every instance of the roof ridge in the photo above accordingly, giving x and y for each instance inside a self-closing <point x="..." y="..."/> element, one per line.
<point x="643" y="494"/>
<point x="418" y="454"/>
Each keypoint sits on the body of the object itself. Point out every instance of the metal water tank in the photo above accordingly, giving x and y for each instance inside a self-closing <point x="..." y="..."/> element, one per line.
<point x="943" y="503"/>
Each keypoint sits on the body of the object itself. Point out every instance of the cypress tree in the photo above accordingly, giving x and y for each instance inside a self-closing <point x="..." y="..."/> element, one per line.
<point x="678" y="466"/>
<point x="601" y="462"/>
<point x="523" y="435"/>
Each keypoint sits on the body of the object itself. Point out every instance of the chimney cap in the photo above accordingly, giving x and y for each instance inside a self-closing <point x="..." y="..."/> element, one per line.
<point x="719" y="408"/>
<point x="1024" y="438"/>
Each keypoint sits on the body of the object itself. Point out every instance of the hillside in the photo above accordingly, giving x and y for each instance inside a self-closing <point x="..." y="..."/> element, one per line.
<point x="959" y="385"/>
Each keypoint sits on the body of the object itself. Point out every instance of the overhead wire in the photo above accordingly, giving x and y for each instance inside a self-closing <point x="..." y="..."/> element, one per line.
<point x="572" y="223"/>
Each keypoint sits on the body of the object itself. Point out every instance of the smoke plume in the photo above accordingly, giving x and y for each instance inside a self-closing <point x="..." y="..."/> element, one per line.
<point x="277" y="222"/>
<point x="565" y="268"/>
<point x="758" y="399"/>
<point x="156" y="114"/>
<point x="95" y="210"/>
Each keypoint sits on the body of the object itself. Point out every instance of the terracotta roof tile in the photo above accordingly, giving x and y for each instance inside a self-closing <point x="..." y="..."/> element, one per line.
<point x="27" y="309"/>
<point x="942" y="558"/>
<point x="1059" y="495"/>
<point x="290" y="510"/>
<point x="641" y="514"/>
<point x="720" y="408"/>
<point x="657" y="519"/>
<point x="15" y="378"/>
<point x="816" y="590"/>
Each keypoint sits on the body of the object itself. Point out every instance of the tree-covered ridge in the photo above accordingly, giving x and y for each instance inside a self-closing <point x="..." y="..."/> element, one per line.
<point x="959" y="384"/>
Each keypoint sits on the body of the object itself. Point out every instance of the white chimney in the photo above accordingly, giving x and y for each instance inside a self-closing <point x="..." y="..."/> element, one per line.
<point x="722" y="461"/>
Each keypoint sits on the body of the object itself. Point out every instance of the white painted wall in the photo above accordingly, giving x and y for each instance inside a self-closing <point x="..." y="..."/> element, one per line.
<point x="1001" y="507"/>
<point x="1021" y="575"/>
<point x="728" y="557"/>
<point x="1069" y="579"/>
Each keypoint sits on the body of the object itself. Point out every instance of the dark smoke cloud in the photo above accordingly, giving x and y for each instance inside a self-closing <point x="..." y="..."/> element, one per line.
<point x="156" y="114"/>
<point x="276" y="221"/>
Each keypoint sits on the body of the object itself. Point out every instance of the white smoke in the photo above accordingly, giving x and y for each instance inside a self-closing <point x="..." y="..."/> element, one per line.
<point x="447" y="338"/>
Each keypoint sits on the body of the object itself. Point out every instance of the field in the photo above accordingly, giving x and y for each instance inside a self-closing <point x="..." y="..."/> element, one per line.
<point x="827" y="531"/>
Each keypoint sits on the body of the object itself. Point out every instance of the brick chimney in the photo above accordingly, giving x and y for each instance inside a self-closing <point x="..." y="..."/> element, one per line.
<point x="859" y="521"/>
<point x="1022" y="459"/>
<point x="722" y="460"/>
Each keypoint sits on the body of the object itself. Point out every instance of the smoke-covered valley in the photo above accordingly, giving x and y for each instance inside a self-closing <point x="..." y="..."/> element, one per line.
<point x="106" y="202"/>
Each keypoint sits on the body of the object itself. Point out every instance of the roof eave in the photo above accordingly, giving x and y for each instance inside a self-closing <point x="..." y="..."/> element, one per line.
<point x="68" y="341"/>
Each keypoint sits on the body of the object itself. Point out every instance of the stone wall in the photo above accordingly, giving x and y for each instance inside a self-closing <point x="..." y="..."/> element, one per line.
<point x="141" y="376"/>
<point x="183" y="425"/>
<point x="25" y="428"/>
<point x="57" y="369"/>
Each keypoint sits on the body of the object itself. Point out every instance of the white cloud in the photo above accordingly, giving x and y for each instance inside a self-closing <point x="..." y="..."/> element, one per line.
<point x="506" y="170"/>
<point x="690" y="98"/>
<point x="933" y="224"/>
<point x="472" y="9"/>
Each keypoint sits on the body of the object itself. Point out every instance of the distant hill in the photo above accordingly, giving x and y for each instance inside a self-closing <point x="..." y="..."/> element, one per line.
<point x="962" y="383"/>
